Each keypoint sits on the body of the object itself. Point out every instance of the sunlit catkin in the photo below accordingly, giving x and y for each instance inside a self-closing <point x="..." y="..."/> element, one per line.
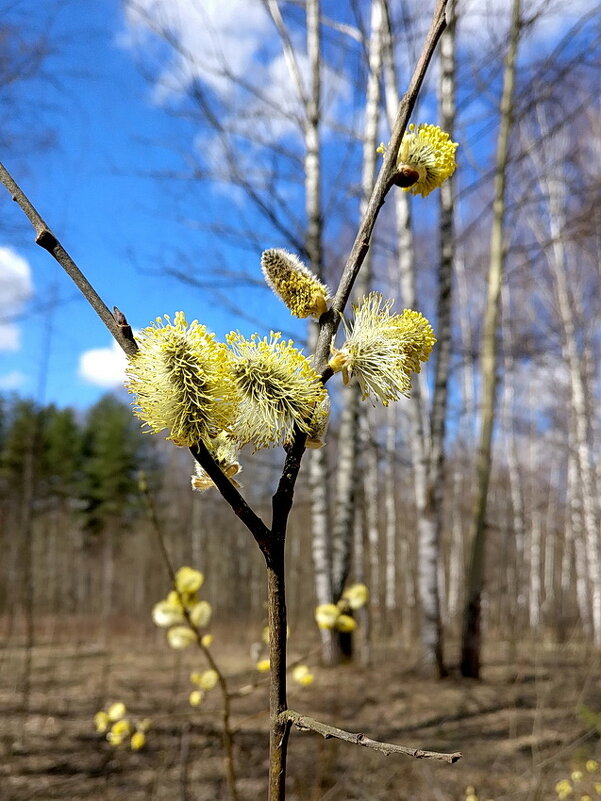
<point x="383" y="349"/>
<point x="294" y="283"/>
<point x="278" y="389"/>
<point x="224" y="451"/>
<point x="182" y="381"/>
<point x="426" y="159"/>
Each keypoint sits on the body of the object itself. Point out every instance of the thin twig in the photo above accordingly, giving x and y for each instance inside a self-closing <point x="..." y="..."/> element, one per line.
<point x="47" y="240"/>
<point x="304" y="723"/>
<point x="232" y="496"/>
<point x="328" y="325"/>
<point x="226" y="696"/>
<point x="330" y="321"/>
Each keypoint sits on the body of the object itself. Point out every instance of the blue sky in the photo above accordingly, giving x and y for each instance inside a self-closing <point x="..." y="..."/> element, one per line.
<point x="94" y="189"/>
<point x="112" y="219"/>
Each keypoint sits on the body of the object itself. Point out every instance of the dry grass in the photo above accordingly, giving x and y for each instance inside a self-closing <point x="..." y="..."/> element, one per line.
<point x="519" y="729"/>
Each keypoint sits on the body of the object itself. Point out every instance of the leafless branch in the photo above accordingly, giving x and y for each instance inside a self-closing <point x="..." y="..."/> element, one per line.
<point x="46" y="239"/>
<point x="304" y="723"/>
<point x="331" y="321"/>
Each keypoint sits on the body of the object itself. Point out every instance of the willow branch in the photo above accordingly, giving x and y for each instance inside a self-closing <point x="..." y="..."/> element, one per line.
<point x="304" y="723"/>
<point x="47" y="240"/>
<point x="331" y="320"/>
<point x="328" y="325"/>
<point x="226" y="696"/>
<point x="230" y="494"/>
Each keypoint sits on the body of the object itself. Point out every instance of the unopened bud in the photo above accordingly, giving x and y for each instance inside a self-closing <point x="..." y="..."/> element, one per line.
<point x="405" y="176"/>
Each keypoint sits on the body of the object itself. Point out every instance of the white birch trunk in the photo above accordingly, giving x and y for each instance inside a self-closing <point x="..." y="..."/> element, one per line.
<point x="575" y="537"/>
<point x="391" y="520"/>
<point x="456" y="554"/>
<point x="534" y="595"/>
<point x="428" y="554"/>
<point x="371" y="518"/>
<point x="472" y="623"/>
<point x="516" y="584"/>
<point x="557" y="256"/>
<point x="346" y="475"/>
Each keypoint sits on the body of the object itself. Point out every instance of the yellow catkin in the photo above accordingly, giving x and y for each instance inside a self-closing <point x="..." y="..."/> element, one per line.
<point x="428" y="151"/>
<point x="182" y="381"/>
<point x="382" y="349"/>
<point x="278" y="389"/>
<point x="302" y="292"/>
<point x="225" y="452"/>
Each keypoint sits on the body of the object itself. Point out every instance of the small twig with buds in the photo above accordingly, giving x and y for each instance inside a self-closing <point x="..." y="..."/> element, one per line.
<point x="226" y="695"/>
<point x="304" y="723"/>
<point x="385" y="181"/>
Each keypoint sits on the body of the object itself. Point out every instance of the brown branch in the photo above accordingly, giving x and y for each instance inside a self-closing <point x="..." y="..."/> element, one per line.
<point x="331" y="321"/>
<point x="121" y="330"/>
<point x="304" y="723"/>
<point x="226" y="696"/>
<point x="47" y="240"/>
<point x="251" y="519"/>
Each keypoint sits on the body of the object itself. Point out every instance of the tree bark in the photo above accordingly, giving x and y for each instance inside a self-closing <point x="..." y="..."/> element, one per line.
<point x="471" y="641"/>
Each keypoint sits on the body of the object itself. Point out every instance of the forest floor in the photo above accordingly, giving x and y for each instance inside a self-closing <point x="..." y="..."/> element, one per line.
<point x="530" y="722"/>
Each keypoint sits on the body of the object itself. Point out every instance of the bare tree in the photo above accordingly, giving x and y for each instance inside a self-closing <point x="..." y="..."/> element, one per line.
<point x="471" y="634"/>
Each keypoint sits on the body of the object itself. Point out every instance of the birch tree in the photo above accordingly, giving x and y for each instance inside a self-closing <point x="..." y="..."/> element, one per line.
<point x="553" y="149"/>
<point x="427" y="430"/>
<point x="471" y="633"/>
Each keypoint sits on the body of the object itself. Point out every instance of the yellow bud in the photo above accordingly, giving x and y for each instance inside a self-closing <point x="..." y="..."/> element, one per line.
<point x="164" y="614"/>
<point x="302" y="675"/>
<point x="326" y="616"/>
<point x="207" y="640"/>
<point x="356" y="595"/>
<point x="174" y="600"/>
<point x="116" y="711"/>
<point x="294" y="283"/>
<point x="120" y="728"/>
<point x="263" y="665"/>
<point x="428" y="154"/>
<point x="101" y="721"/>
<point x="591" y="765"/>
<point x="196" y="697"/>
<point x="200" y="614"/>
<point x="188" y="580"/>
<point x="180" y="637"/>
<point x="345" y="623"/>
<point x="208" y="679"/>
<point x="138" y="740"/>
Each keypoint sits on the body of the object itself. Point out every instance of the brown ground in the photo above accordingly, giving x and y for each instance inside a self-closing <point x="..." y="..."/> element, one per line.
<point x="519" y="729"/>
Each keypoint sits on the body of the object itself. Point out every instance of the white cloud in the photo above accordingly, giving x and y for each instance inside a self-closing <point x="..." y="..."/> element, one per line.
<point x="104" y="367"/>
<point x="214" y="37"/>
<point x="13" y="380"/>
<point x="15" y="288"/>
<point x="242" y="63"/>
<point x="490" y="19"/>
<point x="10" y="336"/>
